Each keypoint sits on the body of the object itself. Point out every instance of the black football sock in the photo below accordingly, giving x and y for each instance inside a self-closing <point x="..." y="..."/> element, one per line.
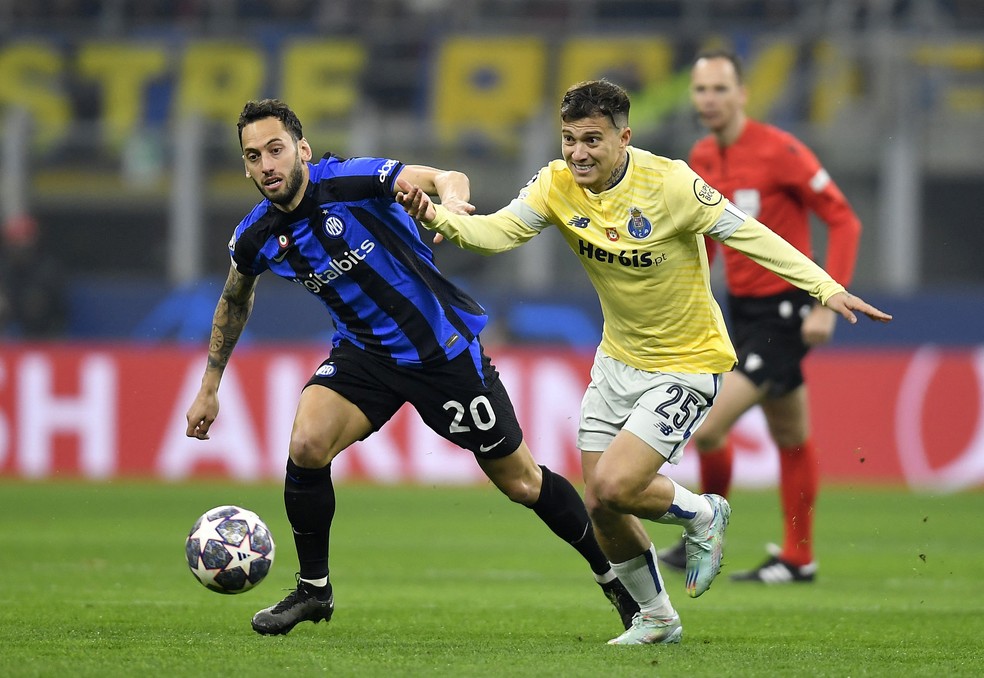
<point x="562" y="509"/>
<point x="309" y="497"/>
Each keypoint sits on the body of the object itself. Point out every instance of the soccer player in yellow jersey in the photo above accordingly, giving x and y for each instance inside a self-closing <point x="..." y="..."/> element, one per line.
<point x="637" y="223"/>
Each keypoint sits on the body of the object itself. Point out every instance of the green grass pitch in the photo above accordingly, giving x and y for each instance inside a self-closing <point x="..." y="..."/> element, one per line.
<point x="435" y="581"/>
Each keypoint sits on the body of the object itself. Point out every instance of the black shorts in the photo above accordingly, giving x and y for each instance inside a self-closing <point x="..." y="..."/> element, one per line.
<point x="462" y="400"/>
<point x="767" y="335"/>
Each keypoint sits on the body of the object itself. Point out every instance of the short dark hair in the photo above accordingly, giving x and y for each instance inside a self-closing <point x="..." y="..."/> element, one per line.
<point x="270" y="108"/>
<point x="722" y="53"/>
<point x="596" y="97"/>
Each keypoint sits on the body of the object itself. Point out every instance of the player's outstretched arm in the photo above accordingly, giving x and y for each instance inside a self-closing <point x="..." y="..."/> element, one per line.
<point x="452" y="187"/>
<point x="486" y="234"/>
<point x="231" y="313"/>
<point x="846" y="303"/>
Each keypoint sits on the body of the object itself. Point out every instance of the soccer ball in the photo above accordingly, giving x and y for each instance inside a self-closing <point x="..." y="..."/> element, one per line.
<point x="229" y="550"/>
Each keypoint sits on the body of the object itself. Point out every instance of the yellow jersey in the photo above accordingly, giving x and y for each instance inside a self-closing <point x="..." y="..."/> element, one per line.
<point x="641" y="243"/>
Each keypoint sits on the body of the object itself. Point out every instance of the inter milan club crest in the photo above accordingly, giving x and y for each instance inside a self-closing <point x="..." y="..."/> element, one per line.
<point x="639" y="226"/>
<point x="612" y="234"/>
<point x="334" y="226"/>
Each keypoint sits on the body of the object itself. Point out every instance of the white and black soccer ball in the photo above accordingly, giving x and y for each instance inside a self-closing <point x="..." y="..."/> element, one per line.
<point x="229" y="550"/>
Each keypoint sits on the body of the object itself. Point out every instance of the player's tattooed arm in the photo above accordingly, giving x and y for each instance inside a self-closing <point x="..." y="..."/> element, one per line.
<point x="231" y="313"/>
<point x="228" y="322"/>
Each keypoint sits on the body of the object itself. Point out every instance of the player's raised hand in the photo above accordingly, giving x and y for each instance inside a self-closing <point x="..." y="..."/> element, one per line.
<point x="845" y="302"/>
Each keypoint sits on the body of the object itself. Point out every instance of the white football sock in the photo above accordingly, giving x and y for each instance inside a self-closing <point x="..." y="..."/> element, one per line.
<point x="691" y="511"/>
<point x="642" y="580"/>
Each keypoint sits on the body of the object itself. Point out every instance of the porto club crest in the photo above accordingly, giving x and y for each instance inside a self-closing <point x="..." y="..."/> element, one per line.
<point x="639" y="226"/>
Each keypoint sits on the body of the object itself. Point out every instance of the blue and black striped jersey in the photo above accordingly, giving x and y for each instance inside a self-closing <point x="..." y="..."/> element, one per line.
<point x="351" y="245"/>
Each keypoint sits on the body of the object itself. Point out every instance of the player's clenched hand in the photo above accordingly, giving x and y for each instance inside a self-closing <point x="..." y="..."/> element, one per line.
<point x="419" y="206"/>
<point x="416" y="203"/>
<point x="201" y="414"/>
<point x="845" y="302"/>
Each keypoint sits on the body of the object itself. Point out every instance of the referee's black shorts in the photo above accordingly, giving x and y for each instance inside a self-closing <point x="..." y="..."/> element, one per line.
<point x="766" y="332"/>
<point x="462" y="400"/>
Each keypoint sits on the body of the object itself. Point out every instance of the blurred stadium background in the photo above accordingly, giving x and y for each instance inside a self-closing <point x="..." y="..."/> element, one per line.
<point x="121" y="165"/>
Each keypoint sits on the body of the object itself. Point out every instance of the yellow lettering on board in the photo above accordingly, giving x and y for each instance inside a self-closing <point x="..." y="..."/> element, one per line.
<point x="633" y="63"/>
<point x="123" y="70"/>
<point x="957" y="54"/>
<point x="217" y="78"/>
<point x="959" y="65"/>
<point x="488" y="86"/>
<point x="834" y="82"/>
<point x="321" y="84"/>
<point x="29" y="78"/>
<point x="768" y="76"/>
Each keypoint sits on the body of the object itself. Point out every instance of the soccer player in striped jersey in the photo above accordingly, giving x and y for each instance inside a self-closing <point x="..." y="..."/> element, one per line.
<point x="403" y="334"/>
<point x="774" y="177"/>
<point x="637" y="223"/>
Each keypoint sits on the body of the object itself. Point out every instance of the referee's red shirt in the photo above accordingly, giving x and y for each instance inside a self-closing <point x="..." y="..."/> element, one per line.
<point x="774" y="177"/>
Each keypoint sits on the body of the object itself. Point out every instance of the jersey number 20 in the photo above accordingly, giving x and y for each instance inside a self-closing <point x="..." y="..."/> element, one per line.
<point x="480" y="410"/>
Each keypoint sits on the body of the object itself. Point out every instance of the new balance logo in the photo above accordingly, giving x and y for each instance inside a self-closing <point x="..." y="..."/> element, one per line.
<point x="665" y="429"/>
<point x="579" y="222"/>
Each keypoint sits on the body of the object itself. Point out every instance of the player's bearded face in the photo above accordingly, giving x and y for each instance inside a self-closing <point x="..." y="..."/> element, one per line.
<point x="285" y="190"/>
<point x="275" y="161"/>
<point x="594" y="150"/>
